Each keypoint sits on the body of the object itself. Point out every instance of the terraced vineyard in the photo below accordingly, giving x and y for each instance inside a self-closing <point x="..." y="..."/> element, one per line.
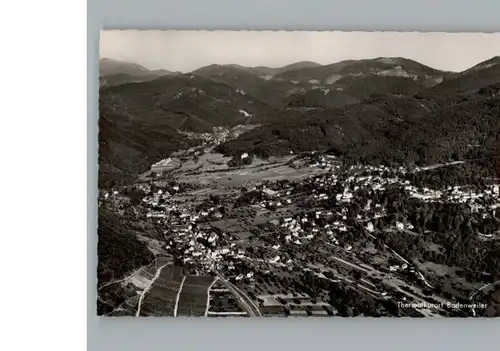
<point x="193" y="297"/>
<point x="128" y="308"/>
<point x="160" y="299"/>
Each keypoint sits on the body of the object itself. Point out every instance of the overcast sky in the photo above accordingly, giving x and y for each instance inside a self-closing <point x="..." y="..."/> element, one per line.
<point x="188" y="50"/>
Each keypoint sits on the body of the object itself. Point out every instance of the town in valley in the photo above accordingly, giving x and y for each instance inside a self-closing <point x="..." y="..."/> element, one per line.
<point x="360" y="188"/>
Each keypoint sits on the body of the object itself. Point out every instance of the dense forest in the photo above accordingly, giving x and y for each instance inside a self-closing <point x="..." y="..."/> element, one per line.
<point x="377" y="132"/>
<point x="119" y="252"/>
<point x="383" y="110"/>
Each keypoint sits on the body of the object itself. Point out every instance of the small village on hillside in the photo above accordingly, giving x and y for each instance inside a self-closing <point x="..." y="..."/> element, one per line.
<point x="268" y="238"/>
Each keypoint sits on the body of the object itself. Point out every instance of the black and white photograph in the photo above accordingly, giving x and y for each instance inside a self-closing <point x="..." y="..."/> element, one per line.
<point x="298" y="174"/>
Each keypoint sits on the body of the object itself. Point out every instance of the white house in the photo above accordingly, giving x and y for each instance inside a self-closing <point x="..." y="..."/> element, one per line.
<point x="400" y="226"/>
<point x="274" y="260"/>
<point x="369" y="227"/>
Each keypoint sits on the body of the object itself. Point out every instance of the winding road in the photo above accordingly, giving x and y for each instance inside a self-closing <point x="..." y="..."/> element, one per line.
<point x="478" y="290"/>
<point x="176" y="307"/>
<point x="246" y="302"/>
<point x="208" y="295"/>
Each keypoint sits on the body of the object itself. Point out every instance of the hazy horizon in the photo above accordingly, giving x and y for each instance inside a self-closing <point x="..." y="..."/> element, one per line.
<point x="188" y="50"/>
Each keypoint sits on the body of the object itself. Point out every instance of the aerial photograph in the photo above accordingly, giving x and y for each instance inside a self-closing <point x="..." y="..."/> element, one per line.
<point x="298" y="174"/>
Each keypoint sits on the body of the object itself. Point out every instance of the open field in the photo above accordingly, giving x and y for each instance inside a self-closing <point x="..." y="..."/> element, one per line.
<point x="273" y="170"/>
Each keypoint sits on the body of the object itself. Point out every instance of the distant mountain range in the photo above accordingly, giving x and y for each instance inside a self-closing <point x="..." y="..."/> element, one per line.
<point x="479" y="76"/>
<point x="383" y="66"/>
<point x="376" y="110"/>
<point x="213" y="70"/>
<point x="114" y="72"/>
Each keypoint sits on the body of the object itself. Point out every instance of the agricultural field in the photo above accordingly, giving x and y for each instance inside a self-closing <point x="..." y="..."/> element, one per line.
<point x="160" y="299"/>
<point x="223" y="302"/>
<point x="128" y="308"/>
<point x="275" y="171"/>
<point x="132" y="286"/>
<point x="293" y="305"/>
<point x="193" y="297"/>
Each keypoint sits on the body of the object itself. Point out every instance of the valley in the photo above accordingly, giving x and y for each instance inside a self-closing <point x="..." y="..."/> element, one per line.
<point x="299" y="225"/>
<point x="362" y="188"/>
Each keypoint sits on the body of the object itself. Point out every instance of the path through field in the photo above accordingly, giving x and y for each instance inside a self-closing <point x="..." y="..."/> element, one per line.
<point x="147" y="289"/>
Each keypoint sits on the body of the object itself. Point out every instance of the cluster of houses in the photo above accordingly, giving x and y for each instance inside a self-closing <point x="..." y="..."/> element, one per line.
<point x="296" y="232"/>
<point x="184" y="231"/>
<point x="218" y="135"/>
<point x="457" y="194"/>
<point x="185" y="228"/>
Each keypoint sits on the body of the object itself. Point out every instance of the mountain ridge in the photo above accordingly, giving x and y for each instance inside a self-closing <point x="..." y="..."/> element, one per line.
<point x="346" y="115"/>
